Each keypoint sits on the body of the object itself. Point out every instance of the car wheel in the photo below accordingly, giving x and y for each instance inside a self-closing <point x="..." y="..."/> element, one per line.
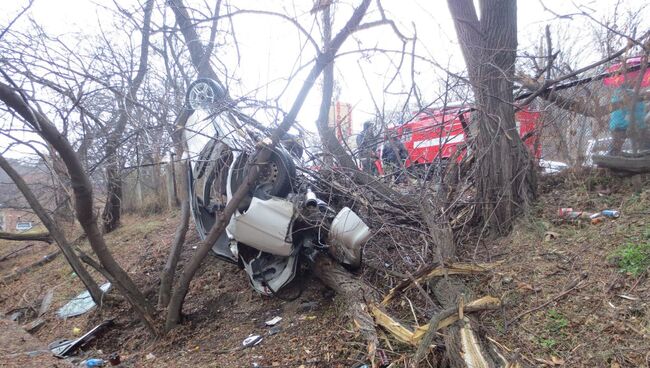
<point x="203" y="93"/>
<point x="275" y="179"/>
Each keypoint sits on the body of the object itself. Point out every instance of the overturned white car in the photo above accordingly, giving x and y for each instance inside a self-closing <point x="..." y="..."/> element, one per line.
<point x="281" y="222"/>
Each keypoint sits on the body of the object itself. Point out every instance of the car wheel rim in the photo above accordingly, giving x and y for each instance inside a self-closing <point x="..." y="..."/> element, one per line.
<point x="201" y="95"/>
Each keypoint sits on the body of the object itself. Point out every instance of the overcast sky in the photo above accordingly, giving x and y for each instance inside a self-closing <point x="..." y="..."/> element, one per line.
<point x="270" y="48"/>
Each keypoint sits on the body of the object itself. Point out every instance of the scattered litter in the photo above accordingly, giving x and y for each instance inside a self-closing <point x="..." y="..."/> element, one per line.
<point x="63" y="347"/>
<point x="80" y="304"/>
<point x="596" y="220"/>
<point x="307" y="306"/>
<point x="252" y="340"/>
<point x="76" y="331"/>
<point x="274" y="330"/>
<point x="94" y="362"/>
<point x="47" y="301"/>
<point x="34" y="325"/>
<point x="550" y="235"/>
<point x="612" y="305"/>
<point x="568" y="213"/>
<point x="273" y="321"/>
<point x="114" y="359"/>
<point x="611" y="213"/>
<point x="15" y="316"/>
<point x="628" y="297"/>
<point x="150" y="356"/>
<point x="506" y="280"/>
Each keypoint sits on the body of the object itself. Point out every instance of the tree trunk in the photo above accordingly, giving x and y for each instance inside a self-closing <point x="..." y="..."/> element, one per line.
<point x="505" y="179"/>
<point x="55" y="231"/>
<point x="169" y="271"/>
<point x="356" y="294"/>
<point x="113" y="207"/>
<point x="328" y="137"/>
<point x="61" y="182"/>
<point x="172" y="200"/>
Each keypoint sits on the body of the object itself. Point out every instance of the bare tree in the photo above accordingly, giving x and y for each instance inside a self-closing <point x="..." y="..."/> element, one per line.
<point x="112" y="210"/>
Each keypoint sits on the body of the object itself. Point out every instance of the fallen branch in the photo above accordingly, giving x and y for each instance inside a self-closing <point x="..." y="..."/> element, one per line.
<point x="441" y="320"/>
<point x="430" y="272"/>
<point x="8" y="255"/>
<point x="47" y="259"/>
<point x="44" y="236"/>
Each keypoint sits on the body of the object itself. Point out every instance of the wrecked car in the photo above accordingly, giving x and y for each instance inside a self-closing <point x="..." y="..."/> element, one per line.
<point x="281" y="223"/>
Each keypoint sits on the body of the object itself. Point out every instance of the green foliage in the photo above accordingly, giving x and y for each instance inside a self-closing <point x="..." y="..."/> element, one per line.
<point x="633" y="258"/>
<point x="556" y="321"/>
<point x="547" y="343"/>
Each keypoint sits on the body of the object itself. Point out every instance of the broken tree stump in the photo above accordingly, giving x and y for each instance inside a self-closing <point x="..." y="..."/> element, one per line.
<point x="357" y="296"/>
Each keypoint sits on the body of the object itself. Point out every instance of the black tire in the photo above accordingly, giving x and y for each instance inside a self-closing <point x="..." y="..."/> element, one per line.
<point x="202" y="94"/>
<point x="277" y="181"/>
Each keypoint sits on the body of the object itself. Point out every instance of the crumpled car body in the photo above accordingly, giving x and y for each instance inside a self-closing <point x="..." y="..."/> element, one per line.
<point x="281" y="223"/>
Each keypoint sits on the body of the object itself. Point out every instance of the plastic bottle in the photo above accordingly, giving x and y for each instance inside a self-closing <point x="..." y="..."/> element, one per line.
<point x="611" y="213"/>
<point x="94" y="362"/>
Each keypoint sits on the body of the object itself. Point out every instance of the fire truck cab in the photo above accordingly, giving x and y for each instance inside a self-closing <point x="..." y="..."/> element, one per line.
<point x="437" y="134"/>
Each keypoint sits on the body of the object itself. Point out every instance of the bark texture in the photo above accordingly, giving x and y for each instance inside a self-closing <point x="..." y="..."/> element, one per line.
<point x="169" y="270"/>
<point x="505" y="179"/>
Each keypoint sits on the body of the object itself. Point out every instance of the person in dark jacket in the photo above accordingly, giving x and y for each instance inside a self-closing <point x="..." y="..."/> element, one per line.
<point x="393" y="155"/>
<point x="367" y="148"/>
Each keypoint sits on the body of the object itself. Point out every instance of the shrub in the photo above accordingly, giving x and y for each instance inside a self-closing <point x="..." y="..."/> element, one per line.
<point x="633" y="259"/>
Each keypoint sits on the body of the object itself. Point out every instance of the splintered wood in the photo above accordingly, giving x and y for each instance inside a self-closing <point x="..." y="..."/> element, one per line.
<point x="413" y="337"/>
<point x="452" y="269"/>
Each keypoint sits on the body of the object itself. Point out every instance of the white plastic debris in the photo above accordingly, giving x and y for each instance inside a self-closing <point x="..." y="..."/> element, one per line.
<point x="80" y="304"/>
<point x="252" y="340"/>
<point x="273" y="321"/>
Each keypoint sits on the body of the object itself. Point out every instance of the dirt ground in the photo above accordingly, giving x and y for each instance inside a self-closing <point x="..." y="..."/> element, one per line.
<point x="566" y="302"/>
<point x="221" y="309"/>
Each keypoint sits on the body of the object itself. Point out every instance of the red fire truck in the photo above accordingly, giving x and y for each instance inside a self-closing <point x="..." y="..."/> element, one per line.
<point x="437" y="134"/>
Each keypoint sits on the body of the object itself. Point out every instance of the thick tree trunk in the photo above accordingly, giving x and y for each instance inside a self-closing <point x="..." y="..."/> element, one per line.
<point x="505" y="179"/>
<point x="356" y="294"/>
